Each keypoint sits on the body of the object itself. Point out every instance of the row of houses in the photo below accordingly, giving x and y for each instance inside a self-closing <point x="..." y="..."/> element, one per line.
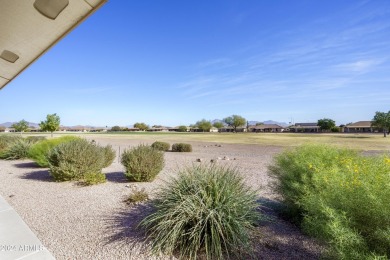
<point x="358" y="127"/>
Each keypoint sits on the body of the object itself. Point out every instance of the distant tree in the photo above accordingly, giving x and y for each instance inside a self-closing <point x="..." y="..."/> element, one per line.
<point x="259" y="123"/>
<point x="382" y="121"/>
<point x="157" y="126"/>
<point x="21" y="126"/>
<point x="51" y="124"/>
<point x="182" y="128"/>
<point x="116" y="128"/>
<point x="204" y="125"/>
<point x="218" y="125"/>
<point x="235" y="121"/>
<point x="326" y="124"/>
<point x="141" y="126"/>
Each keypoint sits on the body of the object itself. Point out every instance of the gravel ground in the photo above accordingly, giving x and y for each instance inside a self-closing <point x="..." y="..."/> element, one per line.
<point x="76" y="222"/>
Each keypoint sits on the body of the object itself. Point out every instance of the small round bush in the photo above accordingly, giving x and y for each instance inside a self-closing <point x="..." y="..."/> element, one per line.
<point x="142" y="163"/>
<point x="205" y="210"/>
<point x="161" y="146"/>
<point x="181" y="147"/>
<point x="18" y="149"/>
<point x="40" y="150"/>
<point x="77" y="160"/>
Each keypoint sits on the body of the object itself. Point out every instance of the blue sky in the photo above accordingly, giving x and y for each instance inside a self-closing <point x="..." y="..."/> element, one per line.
<point x="176" y="62"/>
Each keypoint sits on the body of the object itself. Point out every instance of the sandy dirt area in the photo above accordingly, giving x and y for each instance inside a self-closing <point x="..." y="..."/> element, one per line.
<point x="76" y="222"/>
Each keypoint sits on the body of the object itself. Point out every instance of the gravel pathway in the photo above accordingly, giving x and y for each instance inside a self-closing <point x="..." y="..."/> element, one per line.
<point x="76" y="222"/>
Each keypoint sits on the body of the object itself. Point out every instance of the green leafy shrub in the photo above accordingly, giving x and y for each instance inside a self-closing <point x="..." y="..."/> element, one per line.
<point x="18" y="149"/>
<point x="142" y="163"/>
<point x="77" y="160"/>
<point x="335" y="129"/>
<point x="109" y="155"/>
<point x="205" y="210"/>
<point x="92" y="178"/>
<point x="181" y="147"/>
<point x="40" y="150"/>
<point x="338" y="196"/>
<point x="161" y="146"/>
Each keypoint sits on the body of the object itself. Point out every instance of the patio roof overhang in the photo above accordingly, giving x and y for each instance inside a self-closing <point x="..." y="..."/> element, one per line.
<point x="28" y="28"/>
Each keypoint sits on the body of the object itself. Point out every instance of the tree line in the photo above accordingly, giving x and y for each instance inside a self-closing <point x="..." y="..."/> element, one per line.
<point x="381" y="120"/>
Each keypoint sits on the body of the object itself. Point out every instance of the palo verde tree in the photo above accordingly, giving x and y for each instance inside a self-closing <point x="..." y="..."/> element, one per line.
<point x="218" y="125"/>
<point x="381" y="120"/>
<point x="235" y="121"/>
<point x="326" y="124"/>
<point x="204" y="125"/>
<point x="141" y="126"/>
<point x="51" y="124"/>
<point x="21" y="126"/>
<point x="182" y="128"/>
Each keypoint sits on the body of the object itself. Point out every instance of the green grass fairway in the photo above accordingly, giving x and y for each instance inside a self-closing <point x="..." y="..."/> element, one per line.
<point x="369" y="142"/>
<point x="354" y="141"/>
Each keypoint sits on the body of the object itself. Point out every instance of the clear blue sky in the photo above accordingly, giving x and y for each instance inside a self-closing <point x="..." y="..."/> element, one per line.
<point x="176" y="62"/>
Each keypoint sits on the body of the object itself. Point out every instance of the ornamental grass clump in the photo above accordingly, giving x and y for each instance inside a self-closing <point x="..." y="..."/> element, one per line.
<point x="338" y="196"/>
<point x="181" y="147"/>
<point x="7" y="140"/>
<point x="142" y="163"/>
<point x="78" y="160"/>
<point x="207" y="211"/>
<point x="16" y="149"/>
<point x="40" y="150"/>
<point x="161" y="146"/>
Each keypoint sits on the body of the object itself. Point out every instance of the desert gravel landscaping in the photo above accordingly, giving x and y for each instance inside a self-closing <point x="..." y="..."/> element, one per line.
<point x="93" y="222"/>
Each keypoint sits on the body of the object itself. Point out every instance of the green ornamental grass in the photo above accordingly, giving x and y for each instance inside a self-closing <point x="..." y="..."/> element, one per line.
<point x="17" y="149"/>
<point x="206" y="210"/>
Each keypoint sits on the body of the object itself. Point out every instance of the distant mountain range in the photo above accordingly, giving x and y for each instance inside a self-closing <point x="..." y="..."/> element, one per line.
<point x="9" y="124"/>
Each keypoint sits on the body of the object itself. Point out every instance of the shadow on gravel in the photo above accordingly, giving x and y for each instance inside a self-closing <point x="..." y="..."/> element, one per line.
<point x="118" y="177"/>
<point x="276" y="238"/>
<point x="38" y="176"/>
<point x="122" y="227"/>
<point x="27" y="165"/>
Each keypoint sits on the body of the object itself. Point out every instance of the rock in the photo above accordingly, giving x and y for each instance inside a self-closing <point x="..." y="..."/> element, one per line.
<point x="11" y="196"/>
<point x="199" y="160"/>
<point x="226" y="158"/>
<point x="213" y="161"/>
